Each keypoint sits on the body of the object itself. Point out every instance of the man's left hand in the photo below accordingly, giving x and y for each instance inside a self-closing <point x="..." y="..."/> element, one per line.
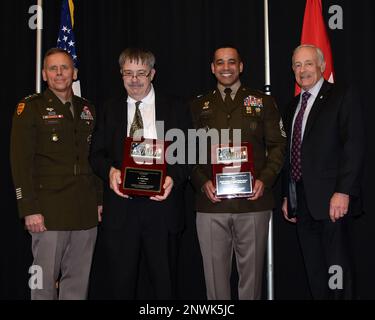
<point x="338" y="206"/>
<point x="167" y="186"/>
<point x="257" y="191"/>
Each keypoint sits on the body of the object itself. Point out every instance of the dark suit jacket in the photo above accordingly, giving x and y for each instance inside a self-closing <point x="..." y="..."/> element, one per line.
<point x="332" y="149"/>
<point x="107" y="151"/>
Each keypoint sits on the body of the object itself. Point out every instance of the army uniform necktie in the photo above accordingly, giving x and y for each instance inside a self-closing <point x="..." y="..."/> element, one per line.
<point x="70" y="106"/>
<point x="136" y="129"/>
<point x="228" y="99"/>
<point x="297" y="140"/>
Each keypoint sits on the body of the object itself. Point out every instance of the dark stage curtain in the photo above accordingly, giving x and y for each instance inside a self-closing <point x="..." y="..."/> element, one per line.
<point x="183" y="34"/>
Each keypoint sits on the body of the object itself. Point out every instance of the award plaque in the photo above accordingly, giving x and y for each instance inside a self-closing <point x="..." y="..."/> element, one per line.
<point x="233" y="170"/>
<point x="143" y="168"/>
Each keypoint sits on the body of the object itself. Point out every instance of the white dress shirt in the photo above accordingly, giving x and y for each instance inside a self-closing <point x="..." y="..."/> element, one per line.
<point x="147" y="108"/>
<point x="314" y="94"/>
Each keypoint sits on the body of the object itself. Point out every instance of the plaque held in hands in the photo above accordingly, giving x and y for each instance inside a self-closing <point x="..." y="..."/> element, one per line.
<point x="143" y="168"/>
<point x="233" y="170"/>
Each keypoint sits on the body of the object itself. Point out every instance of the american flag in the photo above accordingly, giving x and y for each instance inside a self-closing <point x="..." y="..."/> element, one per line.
<point x="66" y="39"/>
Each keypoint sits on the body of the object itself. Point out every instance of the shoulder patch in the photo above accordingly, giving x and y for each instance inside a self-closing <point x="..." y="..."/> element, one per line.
<point x="20" y="108"/>
<point x="22" y="104"/>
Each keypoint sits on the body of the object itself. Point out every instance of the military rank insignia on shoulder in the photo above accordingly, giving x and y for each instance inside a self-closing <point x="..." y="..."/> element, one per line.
<point x="84" y="100"/>
<point x="31" y="97"/>
<point x="21" y="105"/>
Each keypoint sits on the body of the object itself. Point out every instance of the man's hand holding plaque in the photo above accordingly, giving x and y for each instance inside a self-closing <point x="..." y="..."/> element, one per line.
<point x="167" y="187"/>
<point x="233" y="172"/>
<point x="258" y="190"/>
<point x="209" y="189"/>
<point x="115" y="182"/>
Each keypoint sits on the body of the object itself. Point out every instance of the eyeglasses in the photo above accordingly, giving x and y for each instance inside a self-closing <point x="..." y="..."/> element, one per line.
<point x="142" y="74"/>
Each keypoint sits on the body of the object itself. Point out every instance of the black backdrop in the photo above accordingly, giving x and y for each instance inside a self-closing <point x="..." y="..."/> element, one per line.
<point x="182" y="34"/>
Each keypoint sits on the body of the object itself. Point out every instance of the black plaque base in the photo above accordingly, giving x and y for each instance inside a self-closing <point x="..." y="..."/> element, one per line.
<point x="144" y="180"/>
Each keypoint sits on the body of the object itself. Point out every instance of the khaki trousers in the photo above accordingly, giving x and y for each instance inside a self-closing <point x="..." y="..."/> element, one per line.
<point x="67" y="254"/>
<point x="219" y="235"/>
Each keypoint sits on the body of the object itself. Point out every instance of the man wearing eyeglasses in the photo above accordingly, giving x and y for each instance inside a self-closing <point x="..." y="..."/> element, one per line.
<point x="138" y="226"/>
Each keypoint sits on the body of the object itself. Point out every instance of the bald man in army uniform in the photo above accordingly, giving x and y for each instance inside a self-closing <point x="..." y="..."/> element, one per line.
<point x="58" y="196"/>
<point x="239" y="224"/>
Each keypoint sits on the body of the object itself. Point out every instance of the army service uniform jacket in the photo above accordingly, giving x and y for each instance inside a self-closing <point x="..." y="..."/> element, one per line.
<point x="259" y="120"/>
<point x="49" y="160"/>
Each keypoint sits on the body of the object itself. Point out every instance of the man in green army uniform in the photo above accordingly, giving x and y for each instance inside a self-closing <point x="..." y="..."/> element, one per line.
<point x="238" y="223"/>
<point x="57" y="193"/>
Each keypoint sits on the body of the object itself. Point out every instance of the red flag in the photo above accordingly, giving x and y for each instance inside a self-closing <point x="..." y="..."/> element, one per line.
<point x="314" y="32"/>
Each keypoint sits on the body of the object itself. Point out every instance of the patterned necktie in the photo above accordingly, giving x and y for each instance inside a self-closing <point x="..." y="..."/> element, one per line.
<point x="297" y="139"/>
<point x="228" y="99"/>
<point x="136" y="129"/>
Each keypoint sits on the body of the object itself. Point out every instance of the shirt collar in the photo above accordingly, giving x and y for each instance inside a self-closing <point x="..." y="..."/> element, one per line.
<point x="149" y="99"/>
<point x="315" y="89"/>
<point x="234" y="88"/>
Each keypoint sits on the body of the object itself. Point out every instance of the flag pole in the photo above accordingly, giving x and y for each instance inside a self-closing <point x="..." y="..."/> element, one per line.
<point x="267" y="90"/>
<point x="267" y="85"/>
<point x="38" y="64"/>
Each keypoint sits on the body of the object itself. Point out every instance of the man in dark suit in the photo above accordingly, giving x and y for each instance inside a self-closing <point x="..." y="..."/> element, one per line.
<point x="322" y="173"/>
<point x="138" y="226"/>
